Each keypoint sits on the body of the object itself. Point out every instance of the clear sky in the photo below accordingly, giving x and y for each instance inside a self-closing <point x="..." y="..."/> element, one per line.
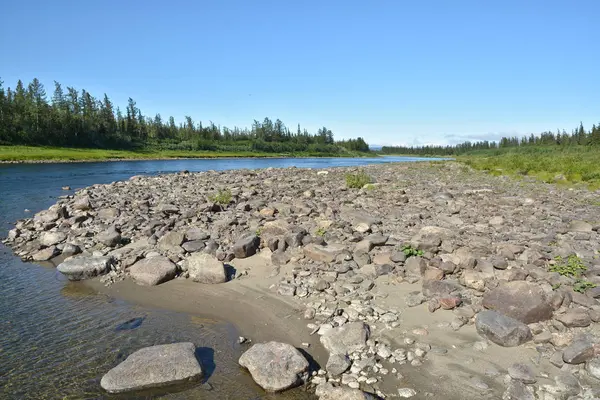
<point x="394" y="72"/>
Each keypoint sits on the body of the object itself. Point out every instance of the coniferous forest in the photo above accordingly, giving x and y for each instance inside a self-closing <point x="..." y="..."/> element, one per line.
<point x="75" y="118"/>
<point x="578" y="137"/>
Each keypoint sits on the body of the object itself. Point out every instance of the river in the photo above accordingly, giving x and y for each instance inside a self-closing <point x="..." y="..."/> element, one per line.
<point x="59" y="338"/>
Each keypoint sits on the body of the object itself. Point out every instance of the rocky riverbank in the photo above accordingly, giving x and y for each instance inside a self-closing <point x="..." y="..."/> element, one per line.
<point x="435" y="281"/>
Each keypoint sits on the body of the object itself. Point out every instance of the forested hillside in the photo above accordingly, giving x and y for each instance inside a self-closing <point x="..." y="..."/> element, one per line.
<point x="578" y="137"/>
<point x="75" y="118"/>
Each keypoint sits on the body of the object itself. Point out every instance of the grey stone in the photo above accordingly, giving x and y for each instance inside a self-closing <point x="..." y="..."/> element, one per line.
<point x="170" y="240"/>
<point x="275" y="366"/>
<point x="246" y="246"/>
<point x="323" y="253"/>
<point x="517" y="390"/>
<point x="415" y="265"/>
<point x="46" y="254"/>
<point x="593" y="367"/>
<point x="52" y="238"/>
<point x="84" y="267"/>
<point x="346" y="339"/>
<point x="205" y="268"/>
<point x="414" y="299"/>
<point x="440" y="288"/>
<point x="153" y="271"/>
<point x="152" y="367"/>
<point x="82" y="203"/>
<point x="501" y="329"/>
<point x="579" y="226"/>
<point x="110" y="237"/>
<point x="69" y="250"/>
<point x="522" y="372"/>
<point x="575" y="318"/>
<point x="337" y="364"/>
<point x="398" y="257"/>
<point x="196" y="234"/>
<point x="521" y="300"/>
<point x="328" y="392"/>
<point x="193" y="246"/>
<point x="579" y="351"/>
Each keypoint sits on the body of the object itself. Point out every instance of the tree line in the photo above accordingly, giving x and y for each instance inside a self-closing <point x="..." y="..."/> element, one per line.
<point x="577" y="137"/>
<point x="73" y="118"/>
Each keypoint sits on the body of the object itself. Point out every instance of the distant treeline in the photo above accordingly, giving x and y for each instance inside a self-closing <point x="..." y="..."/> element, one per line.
<point x="74" y="118"/>
<point x="578" y="137"/>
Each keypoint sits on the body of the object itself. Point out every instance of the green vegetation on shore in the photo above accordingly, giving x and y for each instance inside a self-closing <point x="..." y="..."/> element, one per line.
<point x="74" y="119"/>
<point x="561" y="157"/>
<point x="40" y="153"/>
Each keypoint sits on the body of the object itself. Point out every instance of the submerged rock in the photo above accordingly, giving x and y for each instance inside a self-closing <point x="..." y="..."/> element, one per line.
<point x="152" y="367"/>
<point x="275" y="366"/>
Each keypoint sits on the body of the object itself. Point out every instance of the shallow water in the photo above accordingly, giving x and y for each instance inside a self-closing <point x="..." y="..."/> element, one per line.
<point x="59" y="338"/>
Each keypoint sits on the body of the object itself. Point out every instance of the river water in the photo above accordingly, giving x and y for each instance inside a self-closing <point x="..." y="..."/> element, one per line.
<point x="57" y="338"/>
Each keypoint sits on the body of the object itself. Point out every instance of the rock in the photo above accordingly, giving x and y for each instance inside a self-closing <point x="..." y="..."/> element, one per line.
<point x="474" y="280"/>
<point x="246" y="246"/>
<point x="593" y="367"/>
<point x="108" y="214"/>
<point x="579" y="226"/>
<point x="346" y="339"/>
<point x="579" y="351"/>
<point x="69" y="250"/>
<point x="153" y="271"/>
<point x="450" y="302"/>
<point x="329" y="392"/>
<point x="517" y="390"/>
<point x="205" y="268"/>
<point x="521" y="300"/>
<point x="275" y="366"/>
<point x="82" y="203"/>
<point x="522" y="372"/>
<point x="52" y="238"/>
<point x="414" y="299"/>
<point x="110" y="237"/>
<point x="323" y="253"/>
<point x="501" y="329"/>
<point x="337" y="364"/>
<point x="440" y="288"/>
<point x="196" y="234"/>
<point x="415" y="266"/>
<point x="84" y="267"/>
<point x="406" y="393"/>
<point x="286" y="289"/>
<point x="193" y="246"/>
<point x="46" y="254"/>
<point x="398" y="257"/>
<point x="575" y="318"/>
<point x="152" y="367"/>
<point x="170" y="241"/>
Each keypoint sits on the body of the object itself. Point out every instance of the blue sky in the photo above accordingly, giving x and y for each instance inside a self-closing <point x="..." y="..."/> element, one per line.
<point x="394" y="72"/>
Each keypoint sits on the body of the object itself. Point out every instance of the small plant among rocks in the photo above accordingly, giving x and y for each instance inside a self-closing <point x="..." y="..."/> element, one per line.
<point x="357" y="180"/>
<point x="571" y="267"/>
<point x="581" y="285"/>
<point x="410" y="251"/>
<point x="321" y="232"/>
<point x="222" y="197"/>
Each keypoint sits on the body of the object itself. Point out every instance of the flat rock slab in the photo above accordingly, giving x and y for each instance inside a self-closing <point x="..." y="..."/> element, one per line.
<point x="346" y="339"/>
<point x="84" y="267"/>
<point x="323" y="253"/>
<point x="501" y="329"/>
<point x="152" y="367"/>
<point x="275" y="366"/>
<point x="520" y="300"/>
<point x="328" y="392"/>
<point x="153" y="271"/>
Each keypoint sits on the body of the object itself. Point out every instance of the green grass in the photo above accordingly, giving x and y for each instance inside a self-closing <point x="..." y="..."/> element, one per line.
<point x="34" y="153"/>
<point x="577" y="165"/>
<point x="222" y="197"/>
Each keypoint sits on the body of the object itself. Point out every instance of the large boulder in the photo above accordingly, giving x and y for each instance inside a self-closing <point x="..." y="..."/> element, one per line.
<point x="153" y="271"/>
<point x="502" y="330"/>
<point x="205" y="268"/>
<point x="246" y="246"/>
<point x="275" y="366"/>
<point x="84" y="267"/>
<point x="521" y="300"/>
<point x="347" y="338"/>
<point x="52" y="238"/>
<point x="152" y="367"/>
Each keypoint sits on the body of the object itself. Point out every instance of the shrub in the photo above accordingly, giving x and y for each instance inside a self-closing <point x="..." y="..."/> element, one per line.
<point x="410" y="251"/>
<point x="222" y="197"/>
<point x="357" y="180"/>
<point x="572" y="267"/>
